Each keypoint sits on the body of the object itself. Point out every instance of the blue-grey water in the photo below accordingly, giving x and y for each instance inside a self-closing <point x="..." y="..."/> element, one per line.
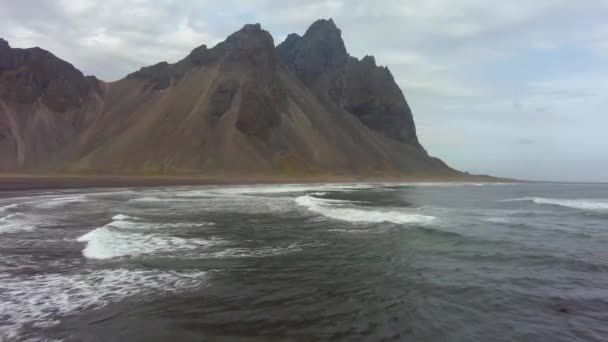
<point x="390" y="262"/>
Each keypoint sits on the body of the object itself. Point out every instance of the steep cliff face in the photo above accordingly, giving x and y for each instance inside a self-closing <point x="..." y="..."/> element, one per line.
<point x="241" y="107"/>
<point x="369" y="92"/>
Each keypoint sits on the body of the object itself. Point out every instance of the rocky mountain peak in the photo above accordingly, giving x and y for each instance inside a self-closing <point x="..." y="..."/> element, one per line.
<point x="367" y="91"/>
<point x="321" y="49"/>
<point x="323" y="26"/>
<point x="251" y="45"/>
<point x="250" y="37"/>
<point x="35" y="73"/>
<point x="369" y="61"/>
<point x="326" y="38"/>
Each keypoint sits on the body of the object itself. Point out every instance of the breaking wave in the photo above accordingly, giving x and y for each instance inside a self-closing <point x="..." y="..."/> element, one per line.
<point x="125" y="237"/>
<point x="123" y="217"/>
<point x="343" y="210"/>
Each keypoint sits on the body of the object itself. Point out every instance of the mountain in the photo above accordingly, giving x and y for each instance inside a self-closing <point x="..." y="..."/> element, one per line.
<point x="320" y="61"/>
<point x="304" y="107"/>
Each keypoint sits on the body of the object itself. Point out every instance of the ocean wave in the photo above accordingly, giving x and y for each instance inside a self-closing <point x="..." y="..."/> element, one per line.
<point x="5" y="208"/>
<point x="41" y="300"/>
<point x="582" y="204"/>
<point x="130" y="222"/>
<point x="340" y="210"/>
<point x="185" y="224"/>
<point x="446" y="184"/>
<point x="158" y="199"/>
<point x="498" y="219"/>
<point x="271" y="189"/>
<point x="123" y="217"/>
<point x="57" y="201"/>
<point x="354" y="231"/>
<point x="260" y="252"/>
<point x="122" y="238"/>
<point x="16" y="222"/>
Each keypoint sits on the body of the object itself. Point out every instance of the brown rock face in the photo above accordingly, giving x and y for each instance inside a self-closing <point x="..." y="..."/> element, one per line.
<point x="41" y="97"/>
<point x="369" y="92"/>
<point x="241" y="107"/>
<point x="36" y="74"/>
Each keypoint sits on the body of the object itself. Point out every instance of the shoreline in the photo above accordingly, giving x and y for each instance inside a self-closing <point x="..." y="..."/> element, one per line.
<point x="22" y="182"/>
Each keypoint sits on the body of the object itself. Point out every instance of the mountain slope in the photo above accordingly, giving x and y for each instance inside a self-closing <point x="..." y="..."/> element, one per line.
<point x="241" y="107"/>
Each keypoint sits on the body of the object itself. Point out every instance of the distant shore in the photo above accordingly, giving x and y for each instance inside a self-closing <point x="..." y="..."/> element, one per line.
<point x="15" y="182"/>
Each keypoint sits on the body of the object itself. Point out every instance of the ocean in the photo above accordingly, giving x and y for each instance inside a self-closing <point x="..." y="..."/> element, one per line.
<point x="306" y="262"/>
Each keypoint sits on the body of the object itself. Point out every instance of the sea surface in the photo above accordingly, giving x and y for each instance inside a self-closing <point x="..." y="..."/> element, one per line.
<point x="306" y="262"/>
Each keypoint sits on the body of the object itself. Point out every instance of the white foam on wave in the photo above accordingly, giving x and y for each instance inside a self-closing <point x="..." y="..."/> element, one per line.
<point x="270" y="189"/>
<point x="355" y="231"/>
<point x="129" y="236"/>
<point x="582" y="204"/>
<point x="123" y="224"/>
<point x="107" y="242"/>
<point x="186" y="224"/>
<point x="42" y="299"/>
<point x="16" y="222"/>
<point x="158" y="199"/>
<point x="130" y="222"/>
<point x="57" y="201"/>
<point x="123" y="217"/>
<point x="5" y="208"/>
<point x="445" y="184"/>
<point x="340" y="210"/>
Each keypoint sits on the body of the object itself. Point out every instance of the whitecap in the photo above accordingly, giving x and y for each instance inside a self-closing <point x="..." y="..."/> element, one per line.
<point x="42" y="299"/>
<point x="339" y="210"/>
<point x="108" y="242"/>
<point x="131" y="236"/>
<point x="123" y="217"/>
<point x="123" y="224"/>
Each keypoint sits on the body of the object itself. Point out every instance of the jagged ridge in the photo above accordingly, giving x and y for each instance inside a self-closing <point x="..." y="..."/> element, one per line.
<point x="243" y="106"/>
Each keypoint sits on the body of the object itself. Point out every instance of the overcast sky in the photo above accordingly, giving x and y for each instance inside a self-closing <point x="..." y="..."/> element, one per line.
<point x="508" y="88"/>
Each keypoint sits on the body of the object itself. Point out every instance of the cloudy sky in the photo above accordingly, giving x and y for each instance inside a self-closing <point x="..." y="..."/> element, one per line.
<point x="509" y="88"/>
